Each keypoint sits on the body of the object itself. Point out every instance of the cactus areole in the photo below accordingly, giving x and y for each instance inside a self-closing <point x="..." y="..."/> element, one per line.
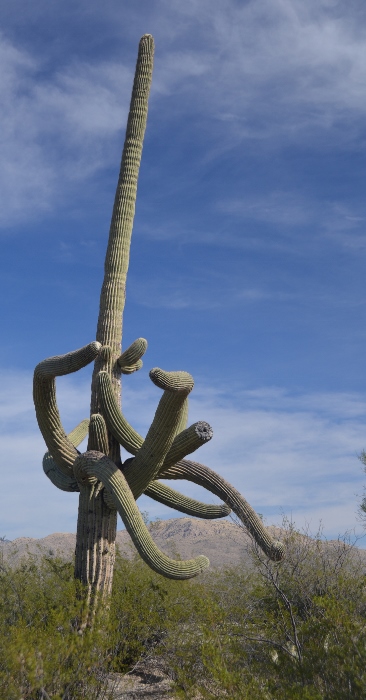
<point x="106" y="485"/>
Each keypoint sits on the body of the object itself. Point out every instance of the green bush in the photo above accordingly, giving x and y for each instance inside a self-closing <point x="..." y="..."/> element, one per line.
<point x="42" y="652"/>
<point x="291" y="630"/>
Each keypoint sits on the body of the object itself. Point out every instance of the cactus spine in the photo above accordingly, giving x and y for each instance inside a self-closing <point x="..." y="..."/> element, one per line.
<point x="107" y="486"/>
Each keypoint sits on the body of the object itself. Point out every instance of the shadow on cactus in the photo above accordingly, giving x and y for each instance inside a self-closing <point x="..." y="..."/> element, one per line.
<point x="105" y="484"/>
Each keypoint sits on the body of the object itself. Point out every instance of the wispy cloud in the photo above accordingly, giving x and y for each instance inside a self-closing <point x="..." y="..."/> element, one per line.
<point x="204" y="292"/>
<point x="55" y="130"/>
<point x="265" y="68"/>
<point x="300" y="221"/>
<point x="296" y="452"/>
<point x="307" y="60"/>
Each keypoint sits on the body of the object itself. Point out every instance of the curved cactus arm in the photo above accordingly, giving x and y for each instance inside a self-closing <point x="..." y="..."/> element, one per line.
<point x="130" y="360"/>
<point x="120" y="428"/>
<point x="93" y="465"/>
<point x="50" y="468"/>
<point x="44" y="396"/>
<point x="199" y="474"/>
<point x="184" y="443"/>
<point x="164" y="494"/>
<point x="150" y="458"/>
<point x="188" y="441"/>
<point x="58" y="477"/>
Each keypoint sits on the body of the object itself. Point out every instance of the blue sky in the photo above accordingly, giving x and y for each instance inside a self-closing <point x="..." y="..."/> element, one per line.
<point x="249" y="246"/>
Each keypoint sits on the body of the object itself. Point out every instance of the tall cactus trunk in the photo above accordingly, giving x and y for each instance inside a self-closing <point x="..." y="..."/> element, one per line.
<point x="96" y="528"/>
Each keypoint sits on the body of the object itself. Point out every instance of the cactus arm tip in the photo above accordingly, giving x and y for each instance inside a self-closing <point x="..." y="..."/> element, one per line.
<point x="188" y="441"/>
<point x="172" y="381"/>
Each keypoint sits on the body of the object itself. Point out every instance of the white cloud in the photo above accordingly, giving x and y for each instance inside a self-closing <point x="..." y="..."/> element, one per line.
<point x="281" y="53"/>
<point x="55" y="130"/>
<point x="264" y="68"/>
<point x="281" y="450"/>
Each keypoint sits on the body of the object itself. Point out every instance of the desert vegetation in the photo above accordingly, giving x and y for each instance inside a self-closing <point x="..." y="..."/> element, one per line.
<point x="288" y="629"/>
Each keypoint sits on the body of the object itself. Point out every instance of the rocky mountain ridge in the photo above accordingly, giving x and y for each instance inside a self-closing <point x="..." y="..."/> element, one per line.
<point x="223" y="542"/>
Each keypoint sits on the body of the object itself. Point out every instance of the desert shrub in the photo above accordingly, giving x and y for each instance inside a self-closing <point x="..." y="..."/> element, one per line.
<point x="291" y="630"/>
<point x="42" y="653"/>
<point x="295" y="629"/>
<point x="311" y="615"/>
<point x="144" y="607"/>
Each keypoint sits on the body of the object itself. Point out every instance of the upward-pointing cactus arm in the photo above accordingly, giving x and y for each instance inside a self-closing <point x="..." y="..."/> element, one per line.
<point x="130" y="360"/>
<point x="164" y="494"/>
<point x="185" y="441"/>
<point x="120" y="428"/>
<point x="94" y="465"/>
<point x="199" y="474"/>
<point x="44" y="395"/>
<point x="150" y="458"/>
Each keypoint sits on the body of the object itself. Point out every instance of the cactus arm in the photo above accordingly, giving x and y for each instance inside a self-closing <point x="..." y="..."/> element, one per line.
<point x="58" y="477"/>
<point x="116" y="423"/>
<point x="184" y="443"/>
<point x="50" y="468"/>
<point x="188" y="441"/>
<point x="94" y="465"/>
<point x="130" y="360"/>
<point x="98" y="436"/>
<point x="183" y="418"/>
<point x="164" y="494"/>
<point x="44" y="395"/>
<point x="199" y="474"/>
<point x="79" y="433"/>
<point x="150" y="458"/>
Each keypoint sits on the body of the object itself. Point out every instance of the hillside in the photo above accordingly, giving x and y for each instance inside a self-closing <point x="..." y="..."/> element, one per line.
<point x="224" y="543"/>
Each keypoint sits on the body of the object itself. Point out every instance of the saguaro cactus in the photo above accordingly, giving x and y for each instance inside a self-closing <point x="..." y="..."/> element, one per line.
<point x="107" y="485"/>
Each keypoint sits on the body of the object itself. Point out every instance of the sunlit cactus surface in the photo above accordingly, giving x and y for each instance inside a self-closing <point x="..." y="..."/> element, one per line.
<point x="105" y="483"/>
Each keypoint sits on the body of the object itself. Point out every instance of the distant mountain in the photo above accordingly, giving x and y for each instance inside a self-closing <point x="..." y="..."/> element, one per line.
<point x="223" y="542"/>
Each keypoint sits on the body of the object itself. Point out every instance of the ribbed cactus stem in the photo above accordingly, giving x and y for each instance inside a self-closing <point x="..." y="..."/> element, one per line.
<point x="113" y="293"/>
<point x="98" y="436"/>
<point x="130" y="360"/>
<point x="44" y="396"/>
<point x="169" y="497"/>
<point x="183" y="417"/>
<point x="162" y="431"/>
<point x="203" y="476"/>
<point x="116" y="423"/>
<point x="185" y="441"/>
<point x="79" y="433"/>
<point x="112" y="299"/>
<point x="96" y="465"/>
<point x="188" y="441"/>
<point x="54" y="473"/>
<point x="95" y="537"/>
